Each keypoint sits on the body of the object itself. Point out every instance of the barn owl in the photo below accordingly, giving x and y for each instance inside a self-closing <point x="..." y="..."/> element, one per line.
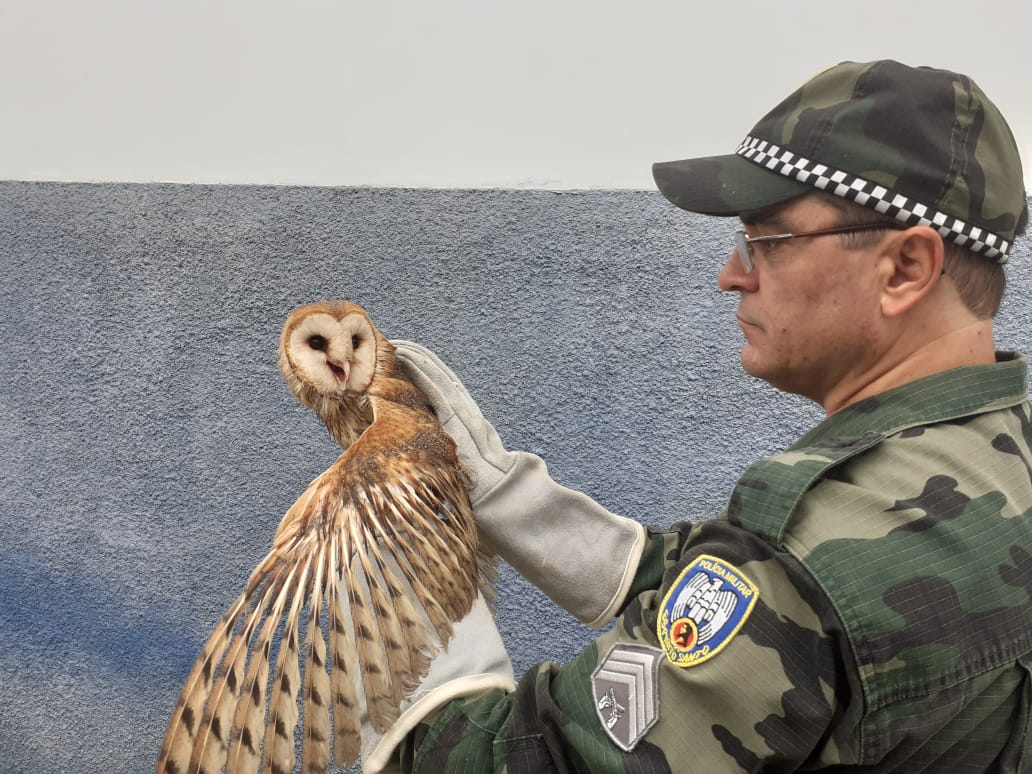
<point x="389" y="522"/>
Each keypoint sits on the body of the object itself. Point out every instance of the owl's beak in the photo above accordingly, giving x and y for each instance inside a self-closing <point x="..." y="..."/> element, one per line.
<point x="339" y="370"/>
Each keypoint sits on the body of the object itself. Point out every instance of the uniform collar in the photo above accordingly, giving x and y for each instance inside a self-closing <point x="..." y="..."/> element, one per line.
<point x="952" y="394"/>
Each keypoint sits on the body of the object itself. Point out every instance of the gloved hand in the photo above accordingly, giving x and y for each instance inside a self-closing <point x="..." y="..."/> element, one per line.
<point x="578" y="553"/>
<point x="474" y="661"/>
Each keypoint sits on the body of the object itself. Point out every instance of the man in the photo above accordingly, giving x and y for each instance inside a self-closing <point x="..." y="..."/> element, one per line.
<point x="864" y="602"/>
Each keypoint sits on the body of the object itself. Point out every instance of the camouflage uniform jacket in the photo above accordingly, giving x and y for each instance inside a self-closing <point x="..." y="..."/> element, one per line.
<point x="864" y="603"/>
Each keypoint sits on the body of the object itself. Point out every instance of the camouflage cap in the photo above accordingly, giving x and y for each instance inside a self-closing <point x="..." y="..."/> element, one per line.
<point x="922" y="145"/>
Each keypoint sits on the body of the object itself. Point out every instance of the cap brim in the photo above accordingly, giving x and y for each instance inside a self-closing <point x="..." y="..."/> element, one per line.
<point x="723" y="185"/>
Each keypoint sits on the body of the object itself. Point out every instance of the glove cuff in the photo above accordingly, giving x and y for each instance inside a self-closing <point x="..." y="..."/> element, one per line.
<point x="382" y="758"/>
<point x="578" y="553"/>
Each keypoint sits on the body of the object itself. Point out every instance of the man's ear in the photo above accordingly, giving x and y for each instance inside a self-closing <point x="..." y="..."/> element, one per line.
<point x="913" y="260"/>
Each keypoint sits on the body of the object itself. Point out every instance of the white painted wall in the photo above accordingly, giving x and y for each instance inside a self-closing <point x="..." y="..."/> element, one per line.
<point x="463" y="93"/>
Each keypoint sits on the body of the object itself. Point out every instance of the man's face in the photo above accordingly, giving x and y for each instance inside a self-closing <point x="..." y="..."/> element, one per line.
<point x="810" y="308"/>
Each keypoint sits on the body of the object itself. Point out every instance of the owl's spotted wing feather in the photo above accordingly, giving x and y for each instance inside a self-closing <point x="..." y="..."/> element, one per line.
<point x="316" y="747"/>
<point x="209" y="750"/>
<point x="382" y="547"/>
<point x="343" y="672"/>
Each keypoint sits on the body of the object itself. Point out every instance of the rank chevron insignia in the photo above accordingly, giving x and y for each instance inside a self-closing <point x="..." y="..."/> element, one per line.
<point x="703" y="610"/>
<point x="625" y="690"/>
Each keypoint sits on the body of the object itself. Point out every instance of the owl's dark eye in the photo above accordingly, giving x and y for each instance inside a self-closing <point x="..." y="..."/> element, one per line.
<point x="355" y="341"/>
<point x="317" y="342"/>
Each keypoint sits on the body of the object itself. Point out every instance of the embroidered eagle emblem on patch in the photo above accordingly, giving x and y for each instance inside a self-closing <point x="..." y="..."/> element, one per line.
<point x="703" y="610"/>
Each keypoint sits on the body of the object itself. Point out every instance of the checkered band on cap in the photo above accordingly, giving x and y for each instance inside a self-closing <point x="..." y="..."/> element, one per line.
<point x="877" y="197"/>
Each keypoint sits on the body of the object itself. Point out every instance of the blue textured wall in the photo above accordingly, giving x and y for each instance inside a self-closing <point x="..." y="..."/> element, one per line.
<point x="148" y="446"/>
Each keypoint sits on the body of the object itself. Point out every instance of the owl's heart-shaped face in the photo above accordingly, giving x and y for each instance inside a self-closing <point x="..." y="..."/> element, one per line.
<point x="333" y="355"/>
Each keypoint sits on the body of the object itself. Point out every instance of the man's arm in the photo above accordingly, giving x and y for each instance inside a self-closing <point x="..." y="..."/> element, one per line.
<point x="771" y="691"/>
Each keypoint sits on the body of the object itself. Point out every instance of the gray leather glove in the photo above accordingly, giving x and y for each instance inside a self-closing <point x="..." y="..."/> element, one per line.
<point x="474" y="661"/>
<point x="574" y="550"/>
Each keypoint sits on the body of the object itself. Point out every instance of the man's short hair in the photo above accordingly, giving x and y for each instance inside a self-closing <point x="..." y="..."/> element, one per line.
<point x="979" y="281"/>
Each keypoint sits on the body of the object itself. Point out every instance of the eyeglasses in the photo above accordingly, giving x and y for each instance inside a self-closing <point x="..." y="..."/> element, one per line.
<point x="743" y="242"/>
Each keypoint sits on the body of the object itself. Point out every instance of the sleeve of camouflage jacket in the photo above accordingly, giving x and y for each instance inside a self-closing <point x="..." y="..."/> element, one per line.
<point x="774" y="694"/>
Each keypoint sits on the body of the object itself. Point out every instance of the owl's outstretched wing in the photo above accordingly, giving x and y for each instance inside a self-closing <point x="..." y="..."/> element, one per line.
<point x="388" y="523"/>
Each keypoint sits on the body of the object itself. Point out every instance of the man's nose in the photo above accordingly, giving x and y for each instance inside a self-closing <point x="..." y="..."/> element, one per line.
<point x="734" y="277"/>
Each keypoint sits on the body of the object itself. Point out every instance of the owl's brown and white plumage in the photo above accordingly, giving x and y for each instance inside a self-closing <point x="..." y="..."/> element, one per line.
<point x="387" y="523"/>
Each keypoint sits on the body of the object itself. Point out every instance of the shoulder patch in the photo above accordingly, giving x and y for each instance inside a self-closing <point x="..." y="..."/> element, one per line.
<point x="625" y="687"/>
<point x="703" y="610"/>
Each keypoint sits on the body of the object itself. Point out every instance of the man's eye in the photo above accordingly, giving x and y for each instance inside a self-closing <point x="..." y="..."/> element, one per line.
<point x="767" y="248"/>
